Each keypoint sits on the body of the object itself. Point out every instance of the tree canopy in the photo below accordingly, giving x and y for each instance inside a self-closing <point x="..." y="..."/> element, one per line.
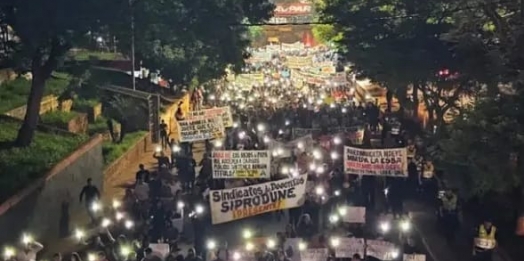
<point x="189" y="39"/>
<point x="476" y="45"/>
<point x="184" y="39"/>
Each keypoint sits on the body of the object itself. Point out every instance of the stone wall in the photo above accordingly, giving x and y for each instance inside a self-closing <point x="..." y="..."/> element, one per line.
<point x="115" y="170"/>
<point x="49" y="103"/>
<point x="45" y="206"/>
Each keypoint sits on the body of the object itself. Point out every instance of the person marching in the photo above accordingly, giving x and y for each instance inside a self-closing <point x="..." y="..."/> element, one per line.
<point x="485" y="242"/>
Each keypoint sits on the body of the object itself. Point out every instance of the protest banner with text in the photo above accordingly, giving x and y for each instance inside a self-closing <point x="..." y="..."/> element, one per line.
<point x="222" y="112"/>
<point x="200" y="129"/>
<point x="314" y="254"/>
<point x="380" y="249"/>
<point x="414" y="257"/>
<point x="355" y="215"/>
<point x="349" y="246"/>
<point x="241" y="164"/>
<point x="376" y="162"/>
<point x="243" y="202"/>
<point x="296" y="62"/>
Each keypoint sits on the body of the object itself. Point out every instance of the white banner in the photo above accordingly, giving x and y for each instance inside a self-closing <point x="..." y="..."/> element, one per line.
<point x="355" y="215"/>
<point x="349" y="246"/>
<point x="377" y="162"/>
<point x="223" y="112"/>
<point x="314" y="254"/>
<point x="241" y="164"/>
<point x="200" y="129"/>
<point x="380" y="249"/>
<point x="296" y="62"/>
<point x="238" y="203"/>
<point x="160" y="250"/>
<point x="414" y="257"/>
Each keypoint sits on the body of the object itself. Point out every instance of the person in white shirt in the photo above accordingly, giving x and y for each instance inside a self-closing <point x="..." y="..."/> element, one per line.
<point x="142" y="190"/>
<point x="29" y="251"/>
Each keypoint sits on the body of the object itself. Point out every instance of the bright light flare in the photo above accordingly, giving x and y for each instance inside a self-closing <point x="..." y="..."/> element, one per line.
<point x="335" y="242"/>
<point x="199" y="209"/>
<point x="211" y="244"/>
<point x="385" y="227"/>
<point x="319" y="190"/>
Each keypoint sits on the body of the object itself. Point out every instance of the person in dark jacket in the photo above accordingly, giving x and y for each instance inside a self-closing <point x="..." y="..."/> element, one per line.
<point x="91" y="194"/>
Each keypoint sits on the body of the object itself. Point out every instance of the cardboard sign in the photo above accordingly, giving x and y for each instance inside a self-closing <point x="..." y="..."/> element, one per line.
<point x="293" y="9"/>
<point x="296" y="62"/>
<point x="238" y="203"/>
<point x="291" y="248"/>
<point x="414" y="257"/>
<point x="355" y="215"/>
<point x="221" y="112"/>
<point x="314" y="254"/>
<point x="376" y="162"/>
<point x="349" y="246"/>
<point x="300" y="132"/>
<point x="241" y="164"/>
<point x="200" y="129"/>
<point x="380" y="249"/>
<point x="160" y="250"/>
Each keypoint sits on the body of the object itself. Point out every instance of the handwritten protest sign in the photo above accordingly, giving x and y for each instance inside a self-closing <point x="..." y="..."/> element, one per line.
<point x="238" y="203"/>
<point x="380" y="249"/>
<point x="414" y="257"/>
<point x="235" y="164"/>
<point x="349" y="246"/>
<point x="160" y="250"/>
<point x="300" y="132"/>
<point x="200" y="129"/>
<point x="355" y="215"/>
<point x="291" y="248"/>
<point x="377" y="162"/>
<point x="299" y="61"/>
<point x="314" y="254"/>
<point x="222" y="112"/>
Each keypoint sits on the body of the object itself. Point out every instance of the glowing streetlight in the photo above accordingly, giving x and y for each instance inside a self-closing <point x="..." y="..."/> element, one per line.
<point x="317" y="154"/>
<point x="119" y="216"/>
<point x="261" y="127"/>
<point x="405" y="225"/>
<point x="180" y="204"/>
<point x="342" y="211"/>
<point x="334" y="155"/>
<point x="337" y="140"/>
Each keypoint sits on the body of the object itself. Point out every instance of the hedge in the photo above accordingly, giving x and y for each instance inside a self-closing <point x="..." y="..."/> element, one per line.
<point x="58" y="118"/>
<point x="113" y="151"/>
<point x="99" y="126"/>
<point x="13" y="94"/>
<point x="21" y="166"/>
<point x="84" y="105"/>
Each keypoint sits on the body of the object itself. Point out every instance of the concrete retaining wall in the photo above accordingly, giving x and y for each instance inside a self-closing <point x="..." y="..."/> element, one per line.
<point x="44" y="208"/>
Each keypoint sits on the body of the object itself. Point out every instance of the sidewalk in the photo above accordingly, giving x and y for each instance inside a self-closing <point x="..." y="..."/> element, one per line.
<point x="425" y="223"/>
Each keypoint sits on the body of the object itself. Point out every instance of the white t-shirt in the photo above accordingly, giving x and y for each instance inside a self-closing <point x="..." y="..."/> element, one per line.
<point x="31" y="254"/>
